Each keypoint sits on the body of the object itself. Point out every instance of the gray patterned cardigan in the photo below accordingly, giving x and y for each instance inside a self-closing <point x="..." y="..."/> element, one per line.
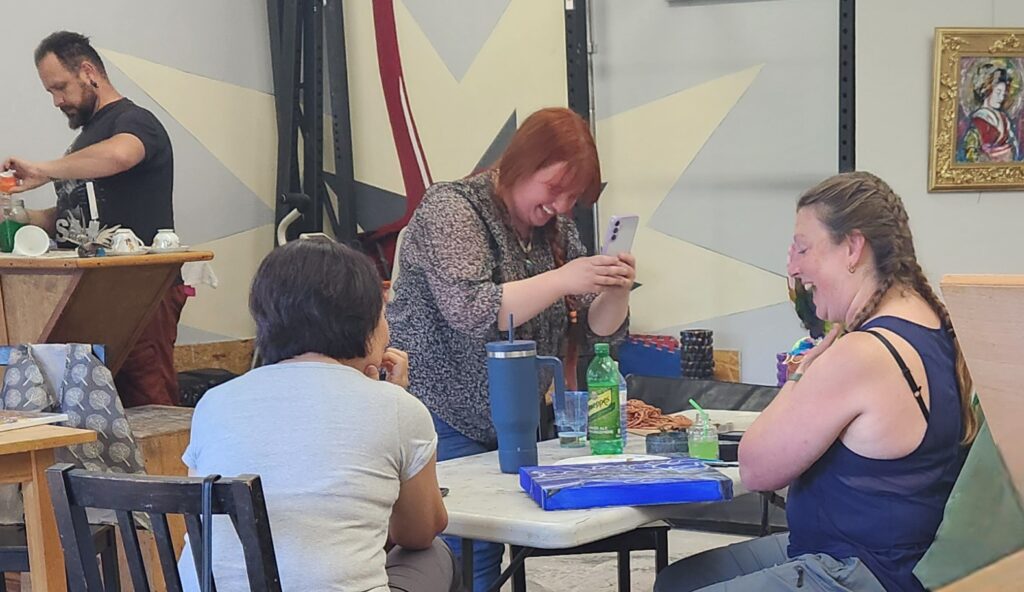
<point x="456" y="254"/>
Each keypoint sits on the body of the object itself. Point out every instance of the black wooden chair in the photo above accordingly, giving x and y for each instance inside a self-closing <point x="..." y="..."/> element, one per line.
<point x="74" y="490"/>
<point x="14" y="553"/>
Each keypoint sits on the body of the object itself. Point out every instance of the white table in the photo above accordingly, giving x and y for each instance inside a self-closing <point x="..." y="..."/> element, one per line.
<point x="487" y="505"/>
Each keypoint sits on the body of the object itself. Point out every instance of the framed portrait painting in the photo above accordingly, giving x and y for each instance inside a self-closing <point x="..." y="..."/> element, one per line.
<point x="977" y="111"/>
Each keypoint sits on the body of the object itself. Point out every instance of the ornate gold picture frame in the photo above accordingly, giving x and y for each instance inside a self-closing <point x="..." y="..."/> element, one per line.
<point x="977" y="111"/>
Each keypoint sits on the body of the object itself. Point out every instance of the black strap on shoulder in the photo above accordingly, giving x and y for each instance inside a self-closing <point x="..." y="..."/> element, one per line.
<point x="914" y="387"/>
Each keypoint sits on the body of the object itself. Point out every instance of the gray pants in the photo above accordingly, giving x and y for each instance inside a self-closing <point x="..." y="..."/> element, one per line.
<point x="429" y="570"/>
<point x="761" y="565"/>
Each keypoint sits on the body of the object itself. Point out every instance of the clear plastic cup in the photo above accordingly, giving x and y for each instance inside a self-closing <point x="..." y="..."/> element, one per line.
<point x="571" y="420"/>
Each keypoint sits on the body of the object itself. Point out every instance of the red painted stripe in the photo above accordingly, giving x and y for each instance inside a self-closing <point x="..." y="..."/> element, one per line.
<point x="392" y="82"/>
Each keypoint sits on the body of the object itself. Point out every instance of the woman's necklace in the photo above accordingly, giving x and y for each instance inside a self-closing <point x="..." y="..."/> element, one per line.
<point x="526" y="245"/>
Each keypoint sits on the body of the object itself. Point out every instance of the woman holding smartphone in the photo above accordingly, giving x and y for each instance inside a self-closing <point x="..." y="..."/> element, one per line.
<point x="495" y="245"/>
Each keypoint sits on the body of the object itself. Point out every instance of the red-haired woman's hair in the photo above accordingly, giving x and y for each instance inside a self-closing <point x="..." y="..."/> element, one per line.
<point x="547" y="137"/>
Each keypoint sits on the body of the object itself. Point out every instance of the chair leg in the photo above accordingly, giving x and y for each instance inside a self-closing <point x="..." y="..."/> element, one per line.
<point x="623" y="571"/>
<point x="3" y="582"/>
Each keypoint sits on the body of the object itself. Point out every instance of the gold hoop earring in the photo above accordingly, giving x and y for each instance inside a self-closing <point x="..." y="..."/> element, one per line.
<point x="851" y="269"/>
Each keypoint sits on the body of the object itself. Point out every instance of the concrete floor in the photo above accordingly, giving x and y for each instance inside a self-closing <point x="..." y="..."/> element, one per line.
<point x="597" y="573"/>
<point x="586" y="573"/>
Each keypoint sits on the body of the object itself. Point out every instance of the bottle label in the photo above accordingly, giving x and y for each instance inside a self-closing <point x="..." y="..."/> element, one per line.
<point x="603" y="412"/>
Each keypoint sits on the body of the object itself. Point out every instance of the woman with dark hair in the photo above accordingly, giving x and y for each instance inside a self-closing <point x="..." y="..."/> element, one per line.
<point x="870" y="432"/>
<point x="497" y="244"/>
<point x="347" y="460"/>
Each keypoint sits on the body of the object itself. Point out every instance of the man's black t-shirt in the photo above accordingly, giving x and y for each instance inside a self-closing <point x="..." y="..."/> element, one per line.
<point x="139" y="198"/>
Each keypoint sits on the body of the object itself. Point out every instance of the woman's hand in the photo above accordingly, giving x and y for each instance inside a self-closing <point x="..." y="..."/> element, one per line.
<point x="819" y="349"/>
<point x="396" y="365"/>
<point x="600" y="273"/>
<point x="628" y="261"/>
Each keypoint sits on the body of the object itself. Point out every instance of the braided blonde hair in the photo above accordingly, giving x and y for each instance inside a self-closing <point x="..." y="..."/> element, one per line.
<point x="861" y="201"/>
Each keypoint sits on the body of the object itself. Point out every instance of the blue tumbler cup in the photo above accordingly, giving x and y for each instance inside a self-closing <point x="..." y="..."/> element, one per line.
<point x="512" y="380"/>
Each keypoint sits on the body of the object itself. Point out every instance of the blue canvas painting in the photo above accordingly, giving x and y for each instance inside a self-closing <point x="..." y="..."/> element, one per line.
<point x="670" y="481"/>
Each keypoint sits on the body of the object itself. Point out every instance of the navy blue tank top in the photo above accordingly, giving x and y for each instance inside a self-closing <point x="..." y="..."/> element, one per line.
<point x="886" y="512"/>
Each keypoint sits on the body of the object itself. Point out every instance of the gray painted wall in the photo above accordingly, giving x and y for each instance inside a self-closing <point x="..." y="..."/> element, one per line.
<point x="737" y="197"/>
<point x="968" y="232"/>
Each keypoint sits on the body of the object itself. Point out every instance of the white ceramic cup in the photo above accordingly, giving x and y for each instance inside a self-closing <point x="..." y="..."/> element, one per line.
<point x="31" y="241"/>
<point x="166" y="239"/>
<point x="125" y="241"/>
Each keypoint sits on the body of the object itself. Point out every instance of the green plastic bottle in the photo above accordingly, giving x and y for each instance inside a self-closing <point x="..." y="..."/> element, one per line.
<point x="13" y="216"/>
<point x="603" y="427"/>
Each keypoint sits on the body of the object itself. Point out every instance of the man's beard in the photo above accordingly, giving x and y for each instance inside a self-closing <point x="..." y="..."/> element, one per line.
<point x="81" y="115"/>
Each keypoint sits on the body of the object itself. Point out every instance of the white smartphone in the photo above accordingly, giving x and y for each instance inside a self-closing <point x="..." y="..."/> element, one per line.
<point x="618" y="237"/>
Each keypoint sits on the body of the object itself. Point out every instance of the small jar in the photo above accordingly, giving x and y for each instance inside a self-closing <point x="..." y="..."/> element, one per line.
<point x="14" y="209"/>
<point x="13" y="216"/>
<point x="702" y="438"/>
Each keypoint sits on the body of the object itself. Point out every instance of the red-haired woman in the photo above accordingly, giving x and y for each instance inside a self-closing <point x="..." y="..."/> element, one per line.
<point x="500" y="243"/>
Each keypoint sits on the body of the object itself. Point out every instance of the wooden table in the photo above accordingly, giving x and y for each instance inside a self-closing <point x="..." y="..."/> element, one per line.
<point x="101" y="300"/>
<point x="25" y="454"/>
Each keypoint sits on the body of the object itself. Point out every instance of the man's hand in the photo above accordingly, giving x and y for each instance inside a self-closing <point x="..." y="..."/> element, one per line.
<point x="29" y="174"/>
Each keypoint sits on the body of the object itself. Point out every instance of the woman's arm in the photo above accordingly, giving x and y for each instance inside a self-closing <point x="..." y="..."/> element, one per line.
<point x="807" y="416"/>
<point x="527" y="298"/>
<point x="419" y="514"/>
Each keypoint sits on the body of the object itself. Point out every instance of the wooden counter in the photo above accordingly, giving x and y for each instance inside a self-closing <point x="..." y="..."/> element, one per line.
<point x="101" y="300"/>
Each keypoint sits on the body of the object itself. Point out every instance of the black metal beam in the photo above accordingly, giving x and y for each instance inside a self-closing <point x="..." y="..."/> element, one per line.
<point x="312" y="116"/>
<point x="285" y="30"/>
<point x="343" y="182"/>
<point x="577" y="68"/>
<point x="847" y="87"/>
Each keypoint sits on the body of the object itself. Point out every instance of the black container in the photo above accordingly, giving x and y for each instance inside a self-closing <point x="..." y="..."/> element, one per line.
<point x="728" y="451"/>
<point x="697" y="353"/>
<point x="667" y="442"/>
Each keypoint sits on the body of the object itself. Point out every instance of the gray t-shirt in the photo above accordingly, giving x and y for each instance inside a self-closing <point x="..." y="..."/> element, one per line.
<point x="332" y="447"/>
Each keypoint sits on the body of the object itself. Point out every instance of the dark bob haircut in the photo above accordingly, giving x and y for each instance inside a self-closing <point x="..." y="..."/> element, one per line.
<point x="315" y="295"/>
<point x="71" y="50"/>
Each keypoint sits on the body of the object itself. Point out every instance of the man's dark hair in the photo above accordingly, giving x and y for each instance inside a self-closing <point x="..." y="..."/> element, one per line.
<point x="71" y="49"/>
<point x="315" y="295"/>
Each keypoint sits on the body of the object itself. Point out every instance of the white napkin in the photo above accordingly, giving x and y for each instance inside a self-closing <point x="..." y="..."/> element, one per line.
<point x="197" y="273"/>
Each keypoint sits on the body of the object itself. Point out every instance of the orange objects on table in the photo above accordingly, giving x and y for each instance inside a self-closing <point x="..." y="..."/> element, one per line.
<point x="8" y="181"/>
